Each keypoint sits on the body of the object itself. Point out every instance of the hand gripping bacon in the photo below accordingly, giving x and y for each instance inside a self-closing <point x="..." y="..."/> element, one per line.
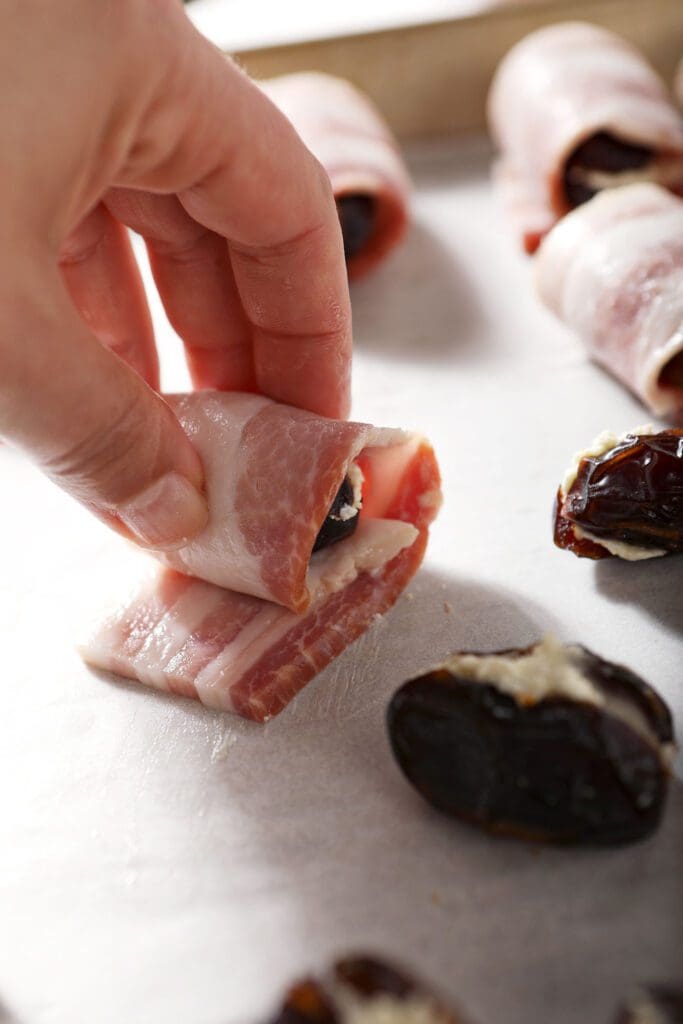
<point x="613" y="272"/>
<point x="347" y="134"/>
<point x="273" y="473"/>
<point x="575" y="110"/>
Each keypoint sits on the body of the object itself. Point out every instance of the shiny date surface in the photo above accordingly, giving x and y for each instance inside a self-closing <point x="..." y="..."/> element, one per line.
<point x="632" y="494"/>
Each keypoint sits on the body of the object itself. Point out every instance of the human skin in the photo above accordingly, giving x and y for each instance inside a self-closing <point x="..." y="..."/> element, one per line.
<point x="116" y="114"/>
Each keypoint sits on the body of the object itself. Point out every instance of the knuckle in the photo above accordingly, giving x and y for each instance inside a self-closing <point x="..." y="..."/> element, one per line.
<point x="106" y="463"/>
<point x="85" y="240"/>
<point x="194" y="247"/>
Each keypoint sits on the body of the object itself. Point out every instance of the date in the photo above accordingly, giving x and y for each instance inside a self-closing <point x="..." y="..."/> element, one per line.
<point x="358" y="217"/>
<point x="626" y="500"/>
<point x="306" y="1003"/>
<point x="548" y="743"/>
<point x="605" y="154"/>
<point x="342" y="519"/>
<point x="358" y="988"/>
<point x="653" y="1004"/>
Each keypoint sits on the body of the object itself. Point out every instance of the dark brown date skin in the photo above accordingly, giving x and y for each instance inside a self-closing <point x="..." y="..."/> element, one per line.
<point x="672" y="373"/>
<point x="306" y="1003"/>
<point x="557" y="770"/>
<point x="364" y="978"/>
<point x="335" y="529"/>
<point x="633" y="493"/>
<point x="660" y="1003"/>
<point x="357" y="216"/>
<point x="601" y="152"/>
<point x="368" y="976"/>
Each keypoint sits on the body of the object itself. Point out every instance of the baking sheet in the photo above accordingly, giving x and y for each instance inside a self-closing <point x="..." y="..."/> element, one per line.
<point x="246" y="24"/>
<point x="429" y="74"/>
<point x="159" y="862"/>
<point x="241" y="25"/>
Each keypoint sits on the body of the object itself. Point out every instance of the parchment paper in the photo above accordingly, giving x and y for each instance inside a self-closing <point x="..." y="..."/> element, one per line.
<point x="161" y="863"/>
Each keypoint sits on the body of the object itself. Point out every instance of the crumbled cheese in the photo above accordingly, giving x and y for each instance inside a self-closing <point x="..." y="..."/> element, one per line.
<point x="388" y="1010"/>
<point x="356" y="479"/>
<point x="355" y="475"/>
<point x="550" y="669"/>
<point x="384" y="1009"/>
<point x="347" y="512"/>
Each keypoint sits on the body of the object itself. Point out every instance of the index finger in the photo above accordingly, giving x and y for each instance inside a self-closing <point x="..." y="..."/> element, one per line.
<point x="240" y="169"/>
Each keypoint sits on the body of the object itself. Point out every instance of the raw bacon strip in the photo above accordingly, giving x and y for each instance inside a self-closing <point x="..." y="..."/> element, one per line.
<point x="272" y="473"/>
<point x="348" y="135"/>
<point x="238" y="653"/>
<point x="613" y="272"/>
<point x="574" y="110"/>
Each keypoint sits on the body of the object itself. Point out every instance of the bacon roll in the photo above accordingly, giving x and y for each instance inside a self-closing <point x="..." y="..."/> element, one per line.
<point x="575" y="110"/>
<point x="349" y="137"/>
<point x="284" y="611"/>
<point x="613" y="272"/>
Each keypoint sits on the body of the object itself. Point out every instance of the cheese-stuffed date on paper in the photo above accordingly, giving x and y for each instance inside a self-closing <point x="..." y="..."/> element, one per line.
<point x="548" y="743"/>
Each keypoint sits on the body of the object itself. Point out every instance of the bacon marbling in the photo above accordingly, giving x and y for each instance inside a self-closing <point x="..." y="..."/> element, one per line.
<point x="613" y="271"/>
<point x="238" y="652"/>
<point x="555" y="89"/>
<point x="272" y="472"/>
<point x="349" y="137"/>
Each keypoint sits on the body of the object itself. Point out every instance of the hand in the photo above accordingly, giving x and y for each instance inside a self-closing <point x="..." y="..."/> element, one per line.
<point x="118" y="114"/>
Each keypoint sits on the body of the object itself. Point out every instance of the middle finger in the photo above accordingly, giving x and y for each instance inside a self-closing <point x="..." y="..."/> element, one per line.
<point x="192" y="271"/>
<point x="100" y="271"/>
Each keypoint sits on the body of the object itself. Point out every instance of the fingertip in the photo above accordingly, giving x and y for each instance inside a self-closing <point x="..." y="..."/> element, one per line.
<point x="185" y="458"/>
<point x="166" y="514"/>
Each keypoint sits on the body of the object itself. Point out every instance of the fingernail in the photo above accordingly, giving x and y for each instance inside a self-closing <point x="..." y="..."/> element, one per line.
<point x="167" y="513"/>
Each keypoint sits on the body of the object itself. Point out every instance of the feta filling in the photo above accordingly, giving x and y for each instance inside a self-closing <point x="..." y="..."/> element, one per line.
<point x="355" y="475"/>
<point x="619" y="548"/>
<point x="385" y="1009"/>
<point x="667" y="172"/>
<point x="550" y="669"/>
<point x="553" y="669"/>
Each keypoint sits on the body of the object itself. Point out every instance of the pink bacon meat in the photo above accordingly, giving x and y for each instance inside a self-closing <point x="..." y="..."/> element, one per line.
<point x="240" y="653"/>
<point x="556" y="90"/>
<point x="349" y="137"/>
<point x="272" y="474"/>
<point x="613" y="272"/>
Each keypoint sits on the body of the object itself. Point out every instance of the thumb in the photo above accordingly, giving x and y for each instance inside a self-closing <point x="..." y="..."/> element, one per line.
<point x="91" y="424"/>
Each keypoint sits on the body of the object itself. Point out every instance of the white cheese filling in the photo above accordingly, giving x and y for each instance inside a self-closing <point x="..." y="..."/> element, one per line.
<point x="553" y="669"/>
<point x="385" y="1009"/>
<point x="667" y="172"/>
<point x="619" y="548"/>
<point x="356" y="478"/>
<point x="550" y="669"/>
